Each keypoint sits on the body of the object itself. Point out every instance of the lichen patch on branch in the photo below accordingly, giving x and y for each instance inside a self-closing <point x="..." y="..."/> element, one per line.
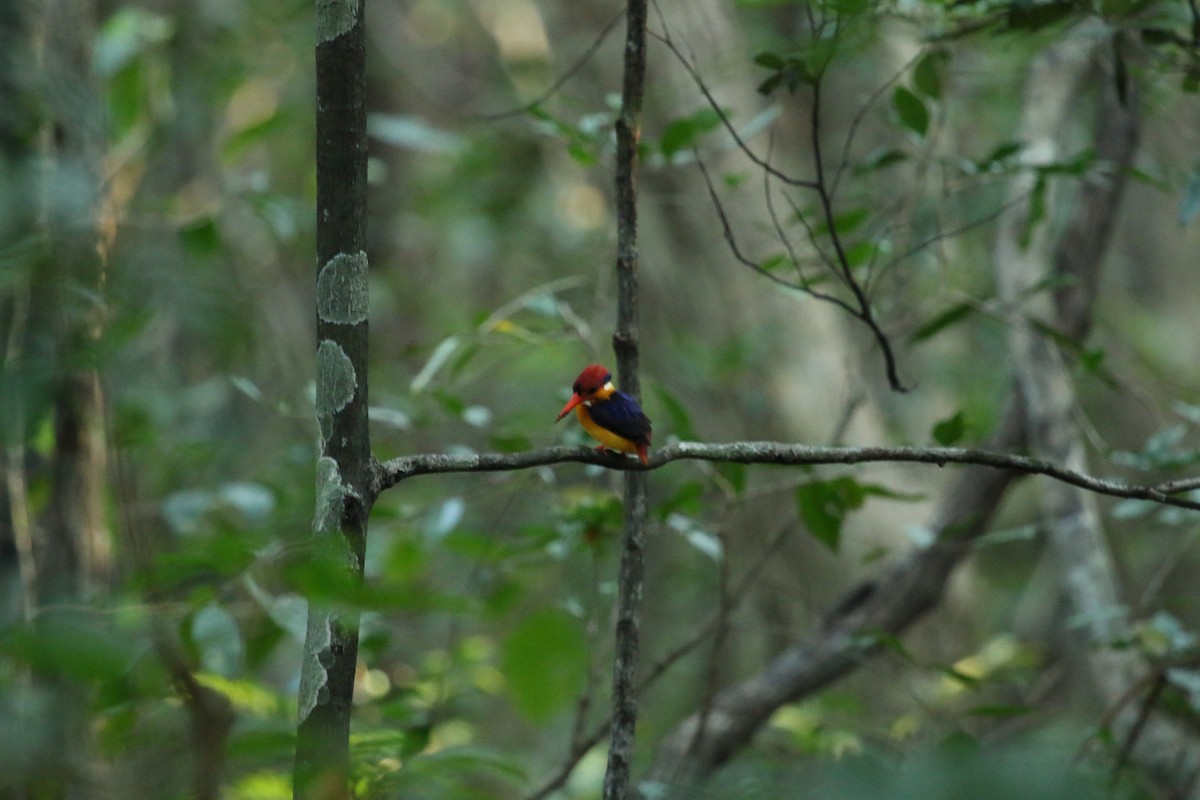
<point x="342" y="289"/>
<point x="336" y="381"/>
<point x="335" y="17"/>
<point x="313" y="675"/>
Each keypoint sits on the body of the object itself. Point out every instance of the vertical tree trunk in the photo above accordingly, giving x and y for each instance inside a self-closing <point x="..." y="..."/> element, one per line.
<point x="51" y="145"/>
<point x="1025" y="257"/>
<point x="344" y="475"/>
<point x="625" y="345"/>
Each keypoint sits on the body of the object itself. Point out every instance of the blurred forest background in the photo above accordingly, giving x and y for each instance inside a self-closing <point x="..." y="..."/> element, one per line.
<point x="157" y="336"/>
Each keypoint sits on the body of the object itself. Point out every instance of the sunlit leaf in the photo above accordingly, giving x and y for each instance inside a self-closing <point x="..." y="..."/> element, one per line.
<point x="126" y="34"/>
<point x="437" y="359"/>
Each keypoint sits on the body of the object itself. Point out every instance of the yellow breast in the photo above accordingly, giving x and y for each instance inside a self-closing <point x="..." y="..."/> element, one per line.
<point x="603" y="435"/>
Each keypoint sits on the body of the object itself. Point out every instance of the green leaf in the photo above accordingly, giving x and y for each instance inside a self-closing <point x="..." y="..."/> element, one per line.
<point x="850" y="220"/>
<point x="201" y="238"/>
<point x="72" y="647"/>
<point x="127" y="34"/>
<point x="823" y="506"/>
<point x="686" y="499"/>
<point x="1000" y="710"/>
<point x="1037" y="210"/>
<point x="995" y="159"/>
<point x="951" y="316"/>
<point x="1033" y="16"/>
<point x="776" y="261"/>
<point x="862" y="253"/>
<point x="544" y="660"/>
<point x="1157" y="36"/>
<point x="735" y="474"/>
<point x="881" y="159"/>
<point x="927" y="78"/>
<point x="769" y="60"/>
<point x="676" y="411"/>
<point x="950" y="430"/>
<point x="510" y="442"/>
<point x="683" y="133"/>
<point x="911" y="110"/>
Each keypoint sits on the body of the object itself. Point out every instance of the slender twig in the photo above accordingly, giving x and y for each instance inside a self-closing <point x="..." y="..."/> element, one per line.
<point x="392" y="472"/>
<point x="865" y="313"/>
<point x="745" y="148"/>
<point x="582" y="745"/>
<point x="562" y="79"/>
<point x="1182" y="485"/>
<point x="751" y="263"/>
<point x="777" y="224"/>
<point x="861" y="309"/>
<point x="859" y="116"/>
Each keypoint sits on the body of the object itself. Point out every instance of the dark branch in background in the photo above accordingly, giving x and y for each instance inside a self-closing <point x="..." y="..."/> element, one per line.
<point x="839" y="263"/>
<point x="390" y="473"/>
<point x="750" y="263"/>
<point x="745" y="148"/>
<point x="210" y="712"/>
<point x="864" y="313"/>
<point x="625" y="342"/>
<point x="855" y="628"/>
<point x="582" y="745"/>
<point x="889" y="605"/>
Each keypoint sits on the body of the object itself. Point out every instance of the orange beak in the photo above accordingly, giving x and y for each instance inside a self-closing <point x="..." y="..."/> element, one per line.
<point x="575" y="400"/>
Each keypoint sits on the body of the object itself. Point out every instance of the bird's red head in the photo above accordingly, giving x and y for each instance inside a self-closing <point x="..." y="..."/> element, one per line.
<point x="591" y="380"/>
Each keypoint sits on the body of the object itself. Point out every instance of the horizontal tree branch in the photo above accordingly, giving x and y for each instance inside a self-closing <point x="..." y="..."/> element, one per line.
<point x="391" y="472"/>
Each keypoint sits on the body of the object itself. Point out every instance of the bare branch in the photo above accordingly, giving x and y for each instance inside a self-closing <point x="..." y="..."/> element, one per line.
<point x="864" y="312"/>
<point x="861" y="309"/>
<point x="625" y="341"/>
<point x="737" y="139"/>
<point x="751" y="263"/>
<point x="390" y="473"/>
<point x="562" y="79"/>
<point x="860" y="115"/>
<point x="582" y="745"/>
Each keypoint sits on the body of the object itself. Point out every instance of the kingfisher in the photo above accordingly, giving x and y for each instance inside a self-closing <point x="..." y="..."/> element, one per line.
<point x="612" y="418"/>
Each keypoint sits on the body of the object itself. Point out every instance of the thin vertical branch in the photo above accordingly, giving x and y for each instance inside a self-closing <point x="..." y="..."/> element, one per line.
<point x="625" y="345"/>
<point x="345" y="488"/>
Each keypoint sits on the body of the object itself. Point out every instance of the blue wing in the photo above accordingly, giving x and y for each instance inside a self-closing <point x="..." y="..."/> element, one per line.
<point x="622" y="415"/>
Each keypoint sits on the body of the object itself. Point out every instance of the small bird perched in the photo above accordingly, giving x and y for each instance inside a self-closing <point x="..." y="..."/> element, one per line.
<point x="612" y="418"/>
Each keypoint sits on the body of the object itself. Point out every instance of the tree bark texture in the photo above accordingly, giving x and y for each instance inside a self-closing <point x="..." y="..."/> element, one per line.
<point x="344" y="468"/>
<point x="631" y="573"/>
